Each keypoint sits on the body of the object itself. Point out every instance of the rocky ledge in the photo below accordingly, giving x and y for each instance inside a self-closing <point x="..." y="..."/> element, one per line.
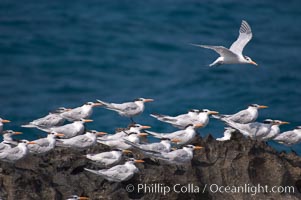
<point x="238" y="162"/>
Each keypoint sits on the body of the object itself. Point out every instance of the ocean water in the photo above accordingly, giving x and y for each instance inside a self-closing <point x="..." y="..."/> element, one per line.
<point x="65" y="53"/>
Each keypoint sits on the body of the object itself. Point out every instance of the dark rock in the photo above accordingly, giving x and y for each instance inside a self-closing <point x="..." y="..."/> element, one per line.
<point x="239" y="162"/>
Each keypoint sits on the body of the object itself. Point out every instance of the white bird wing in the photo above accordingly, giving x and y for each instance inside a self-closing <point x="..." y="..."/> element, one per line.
<point x="222" y="51"/>
<point x="286" y="136"/>
<point x="245" y="35"/>
<point x="177" y="156"/>
<point x="242" y="116"/>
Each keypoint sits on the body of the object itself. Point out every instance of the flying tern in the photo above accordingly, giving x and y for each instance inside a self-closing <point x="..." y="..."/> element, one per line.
<point x="82" y="112"/>
<point x="184" y="136"/>
<point x="16" y="153"/>
<point x="118" y="173"/>
<point x="234" y="54"/>
<point x="289" y="138"/>
<point x="127" y="109"/>
<point x="44" y="145"/>
<point x="194" y="116"/>
<point x="81" y="141"/>
<point x="244" y="116"/>
<point x="107" y="158"/>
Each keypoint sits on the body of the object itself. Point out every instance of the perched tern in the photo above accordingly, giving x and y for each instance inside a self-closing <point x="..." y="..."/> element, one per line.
<point x="82" y="112"/>
<point x="258" y="131"/>
<point x="227" y="134"/>
<point x="16" y="153"/>
<point x="69" y="130"/>
<point x="81" y="141"/>
<point x="2" y="121"/>
<point x="194" y="116"/>
<point x="8" y="141"/>
<point x="179" y="156"/>
<point x="133" y="128"/>
<point x="184" y="136"/>
<point x="118" y="173"/>
<point x="244" y="116"/>
<point x="163" y="146"/>
<point x="128" y="109"/>
<point x="234" y="54"/>
<point x="50" y="120"/>
<point x="289" y="138"/>
<point x="44" y="145"/>
<point x="107" y="158"/>
<point x="120" y="144"/>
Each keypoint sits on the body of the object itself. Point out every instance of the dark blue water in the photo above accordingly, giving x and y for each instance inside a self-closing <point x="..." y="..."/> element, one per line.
<point x="65" y="53"/>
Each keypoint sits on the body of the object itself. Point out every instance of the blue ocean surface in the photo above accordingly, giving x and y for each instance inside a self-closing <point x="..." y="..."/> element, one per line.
<point x="65" y="53"/>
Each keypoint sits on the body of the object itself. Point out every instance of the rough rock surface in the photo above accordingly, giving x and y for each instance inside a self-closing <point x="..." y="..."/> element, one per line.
<point x="237" y="162"/>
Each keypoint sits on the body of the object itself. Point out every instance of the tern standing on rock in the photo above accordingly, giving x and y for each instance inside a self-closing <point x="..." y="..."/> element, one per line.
<point x="16" y="153"/>
<point x="184" y="136"/>
<point x="258" y="131"/>
<point x="50" y="120"/>
<point x="118" y="173"/>
<point x="83" y="112"/>
<point x="69" y="130"/>
<point x="8" y="141"/>
<point x="107" y="158"/>
<point x="127" y="109"/>
<point x="289" y="138"/>
<point x="194" y="116"/>
<point x="81" y="141"/>
<point x="179" y="157"/>
<point x="244" y="116"/>
<point x="234" y="54"/>
<point x="44" y="145"/>
<point x="163" y="146"/>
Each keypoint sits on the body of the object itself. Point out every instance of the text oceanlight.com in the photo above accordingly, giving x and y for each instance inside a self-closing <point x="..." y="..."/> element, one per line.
<point x="212" y="188"/>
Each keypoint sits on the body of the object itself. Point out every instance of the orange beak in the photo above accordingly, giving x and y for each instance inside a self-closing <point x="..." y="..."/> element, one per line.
<point x="83" y="198"/>
<point x="97" y="104"/>
<point x="145" y="127"/>
<point x="139" y="161"/>
<point x="198" y="125"/>
<point x="32" y="142"/>
<point x="5" y="121"/>
<point x="198" y="147"/>
<point x="262" y="106"/>
<point x="17" y="133"/>
<point x="281" y="123"/>
<point x="213" y="112"/>
<point x="142" y="134"/>
<point x="88" y="120"/>
<point x="101" y="133"/>
<point x="126" y="151"/>
<point x="59" y="134"/>
<point x="253" y="63"/>
<point x="148" y="100"/>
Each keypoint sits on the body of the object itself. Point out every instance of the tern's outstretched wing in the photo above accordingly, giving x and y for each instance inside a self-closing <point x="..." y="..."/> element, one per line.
<point x="245" y="35"/>
<point x="222" y="51"/>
